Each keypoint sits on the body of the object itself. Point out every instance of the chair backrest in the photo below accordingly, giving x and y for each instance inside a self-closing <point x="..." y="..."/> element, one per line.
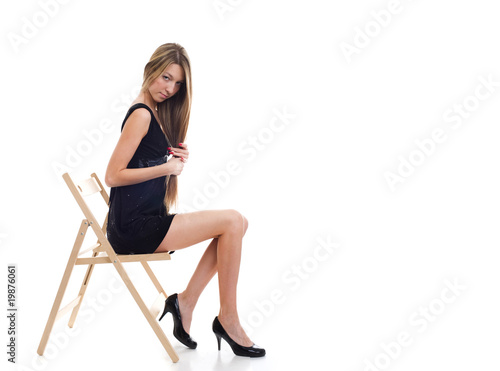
<point x="88" y="186"/>
<point x="84" y="188"/>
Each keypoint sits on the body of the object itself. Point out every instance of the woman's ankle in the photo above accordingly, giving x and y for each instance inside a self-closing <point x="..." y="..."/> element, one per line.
<point x="188" y="301"/>
<point x="229" y="318"/>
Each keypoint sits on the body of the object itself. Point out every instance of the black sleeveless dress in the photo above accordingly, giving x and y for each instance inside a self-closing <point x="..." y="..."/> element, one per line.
<point x="137" y="219"/>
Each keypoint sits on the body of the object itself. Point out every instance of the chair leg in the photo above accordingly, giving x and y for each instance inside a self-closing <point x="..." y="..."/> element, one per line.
<point x="152" y="320"/>
<point x="62" y="287"/>
<point x="151" y="275"/>
<point x="83" y="288"/>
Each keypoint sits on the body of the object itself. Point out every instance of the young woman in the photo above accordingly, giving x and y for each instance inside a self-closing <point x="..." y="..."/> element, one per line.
<point x="144" y="187"/>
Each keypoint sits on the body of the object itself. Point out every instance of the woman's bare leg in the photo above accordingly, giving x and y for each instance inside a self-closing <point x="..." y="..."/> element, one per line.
<point x="206" y="269"/>
<point x="227" y="227"/>
<point x="229" y="257"/>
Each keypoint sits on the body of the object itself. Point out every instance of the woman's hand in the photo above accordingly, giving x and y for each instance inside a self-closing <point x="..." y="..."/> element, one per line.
<point x="181" y="152"/>
<point x="174" y="166"/>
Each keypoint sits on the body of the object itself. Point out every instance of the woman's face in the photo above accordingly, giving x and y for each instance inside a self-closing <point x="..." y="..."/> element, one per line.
<point x="168" y="83"/>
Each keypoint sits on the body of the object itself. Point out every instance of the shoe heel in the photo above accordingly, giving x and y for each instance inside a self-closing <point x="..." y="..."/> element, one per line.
<point x="163" y="315"/>
<point x="165" y="311"/>
<point x="218" y="340"/>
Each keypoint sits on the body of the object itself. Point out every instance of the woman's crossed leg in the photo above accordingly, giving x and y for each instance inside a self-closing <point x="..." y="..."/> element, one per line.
<point x="223" y="255"/>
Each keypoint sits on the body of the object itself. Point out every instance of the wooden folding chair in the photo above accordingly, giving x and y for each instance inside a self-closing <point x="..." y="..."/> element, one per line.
<point x="102" y="253"/>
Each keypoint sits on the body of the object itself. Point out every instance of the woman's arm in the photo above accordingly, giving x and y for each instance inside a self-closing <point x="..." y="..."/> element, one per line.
<point x="117" y="174"/>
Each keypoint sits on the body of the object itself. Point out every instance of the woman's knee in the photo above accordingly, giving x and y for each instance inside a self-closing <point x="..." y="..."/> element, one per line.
<point x="236" y="222"/>
<point x="245" y="224"/>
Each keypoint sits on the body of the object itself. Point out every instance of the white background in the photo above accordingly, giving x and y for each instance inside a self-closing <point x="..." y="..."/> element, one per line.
<point x="323" y="177"/>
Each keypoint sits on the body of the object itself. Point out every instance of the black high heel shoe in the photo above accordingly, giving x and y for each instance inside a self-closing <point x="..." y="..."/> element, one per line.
<point x="172" y="306"/>
<point x="239" y="350"/>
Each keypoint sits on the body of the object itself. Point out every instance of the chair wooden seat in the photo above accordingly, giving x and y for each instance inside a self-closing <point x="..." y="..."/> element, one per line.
<point x="124" y="258"/>
<point x="102" y="253"/>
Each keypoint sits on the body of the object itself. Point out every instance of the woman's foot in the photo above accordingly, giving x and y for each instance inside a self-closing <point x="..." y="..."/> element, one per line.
<point x="186" y="308"/>
<point x="238" y="349"/>
<point x="234" y="330"/>
<point x="172" y="306"/>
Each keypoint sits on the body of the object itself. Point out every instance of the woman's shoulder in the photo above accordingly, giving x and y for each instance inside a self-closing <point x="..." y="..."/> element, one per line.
<point x="138" y="113"/>
<point x="135" y="110"/>
<point x="138" y="104"/>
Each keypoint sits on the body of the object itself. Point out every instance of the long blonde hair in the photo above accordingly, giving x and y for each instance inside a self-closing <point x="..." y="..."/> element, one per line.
<point x="173" y="112"/>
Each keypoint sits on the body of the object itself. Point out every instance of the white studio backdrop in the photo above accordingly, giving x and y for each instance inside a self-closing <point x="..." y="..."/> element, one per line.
<point x="359" y="138"/>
